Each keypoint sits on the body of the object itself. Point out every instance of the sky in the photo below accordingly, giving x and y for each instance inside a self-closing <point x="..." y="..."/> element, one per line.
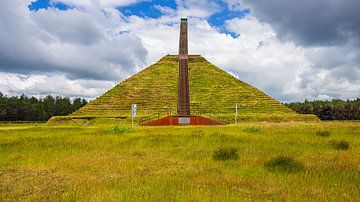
<point x="292" y="50"/>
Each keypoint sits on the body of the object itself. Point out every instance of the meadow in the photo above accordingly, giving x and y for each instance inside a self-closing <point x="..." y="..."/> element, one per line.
<point x="106" y="161"/>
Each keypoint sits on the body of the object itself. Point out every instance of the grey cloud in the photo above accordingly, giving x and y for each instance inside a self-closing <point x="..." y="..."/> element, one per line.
<point x="351" y="75"/>
<point x="327" y="32"/>
<point x="77" y="43"/>
<point x="309" y="22"/>
<point x="332" y="57"/>
<point x="70" y="26"/>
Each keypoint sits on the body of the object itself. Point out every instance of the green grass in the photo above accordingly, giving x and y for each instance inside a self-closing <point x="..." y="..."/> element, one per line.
<point x="252" y="129"/>
<point x="324" y="133"/>
<point x="213" y="92"/>
<point x="120" y="130"/>
<point x="92" y="163"/>
<point x="225" y="153"/>
<point x="284" y="164"/>
<point x="340" y="144"/>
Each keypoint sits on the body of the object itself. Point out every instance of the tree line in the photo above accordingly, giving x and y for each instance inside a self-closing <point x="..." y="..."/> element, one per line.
<point x="24" y="108"/>
<point x="335" y="109"/>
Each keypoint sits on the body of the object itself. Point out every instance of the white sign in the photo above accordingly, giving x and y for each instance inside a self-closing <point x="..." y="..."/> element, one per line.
<point x="236" y="113"/>
<point x="184" y="120"/>
<point x="236" y="109"/>
<point x="133" y="108"/>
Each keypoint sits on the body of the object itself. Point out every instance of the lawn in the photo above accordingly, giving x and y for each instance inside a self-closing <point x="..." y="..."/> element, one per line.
<point x="101" y="162"/>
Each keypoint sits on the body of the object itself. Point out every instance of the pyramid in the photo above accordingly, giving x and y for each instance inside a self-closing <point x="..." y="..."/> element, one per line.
<point x="213" y="93"/>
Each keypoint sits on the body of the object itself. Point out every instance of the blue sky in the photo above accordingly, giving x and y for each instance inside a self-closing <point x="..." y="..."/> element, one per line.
<point x="148" y="9"/>
<point x="43" y="4"/>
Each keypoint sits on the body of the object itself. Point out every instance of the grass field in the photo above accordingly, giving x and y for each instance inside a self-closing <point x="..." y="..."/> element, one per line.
<point x="101" y="162"/>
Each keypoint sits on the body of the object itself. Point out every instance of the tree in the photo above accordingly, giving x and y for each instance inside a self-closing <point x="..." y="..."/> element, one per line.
<point x="24" y="108"/>
<point x="329" y="110"/>
<point x="49" y="106"/>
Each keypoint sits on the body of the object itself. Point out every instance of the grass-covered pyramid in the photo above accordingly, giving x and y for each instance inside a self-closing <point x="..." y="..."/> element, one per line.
<point x="213" y="92"/>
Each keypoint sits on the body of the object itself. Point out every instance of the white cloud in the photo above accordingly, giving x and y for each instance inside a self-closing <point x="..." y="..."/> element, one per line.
<point x="196" y="8"/>
<point x="250" y="29"/>
<point x="41" y="85"/>
<point x="165" y="10"/>
<point x="323" y="97"/>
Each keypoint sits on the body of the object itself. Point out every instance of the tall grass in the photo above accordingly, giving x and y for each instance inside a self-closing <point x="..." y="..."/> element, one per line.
<point x="88" y="163"/>
<point x="323" y="133"/>
<point x="284" y="164"/>
<point x="225" y="153"/>
<point x="339" y="144"/>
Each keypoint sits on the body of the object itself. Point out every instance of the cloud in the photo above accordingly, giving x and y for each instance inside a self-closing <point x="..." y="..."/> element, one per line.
<point x="71" y="26"/>
<point x="308" y="22"/>
<point x="289" y="71"/>
<point x="85" y="50"/>
<point x="77" y="43"/>
<point x="41" y="85"/>
<point x="196" y="8"/>
<point x="326" y="32"/>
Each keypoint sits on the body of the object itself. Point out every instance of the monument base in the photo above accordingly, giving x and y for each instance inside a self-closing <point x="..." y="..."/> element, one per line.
<point x="183" y="121"/>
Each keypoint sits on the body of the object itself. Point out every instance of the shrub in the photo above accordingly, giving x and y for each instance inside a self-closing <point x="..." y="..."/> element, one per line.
<point x="225" y="153"/>
<point x="120" y="130"/>
<point x="340" y="144"/>
<point x="324" y="133"/>
<point x="284" y="164"/>
<point x="252" y="130"/>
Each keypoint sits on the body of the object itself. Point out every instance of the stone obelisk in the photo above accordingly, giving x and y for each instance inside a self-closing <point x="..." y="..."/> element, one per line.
<point x="183" y="104"/>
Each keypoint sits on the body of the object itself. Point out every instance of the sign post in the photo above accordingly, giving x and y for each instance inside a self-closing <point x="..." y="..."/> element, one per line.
<point x="133" y="115"/>
<point x="236" y="113"/>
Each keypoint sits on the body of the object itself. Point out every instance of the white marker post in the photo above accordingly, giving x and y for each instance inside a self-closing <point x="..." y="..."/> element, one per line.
<point x="133" y="109"/>
<point x="236" y="113"/>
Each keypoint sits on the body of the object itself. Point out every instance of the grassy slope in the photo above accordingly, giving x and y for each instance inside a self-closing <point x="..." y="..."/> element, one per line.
<point x="213" y="92"/>
<point x="167" y="164"/>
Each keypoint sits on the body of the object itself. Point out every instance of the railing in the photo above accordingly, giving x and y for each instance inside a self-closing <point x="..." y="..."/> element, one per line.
<point x="221" y="119"/>
<point x="156" y="116"/>
<point x="153" y="117"/>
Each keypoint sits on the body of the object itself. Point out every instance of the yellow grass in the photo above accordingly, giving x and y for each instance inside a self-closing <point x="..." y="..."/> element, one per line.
<point x="99" y="163"/>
